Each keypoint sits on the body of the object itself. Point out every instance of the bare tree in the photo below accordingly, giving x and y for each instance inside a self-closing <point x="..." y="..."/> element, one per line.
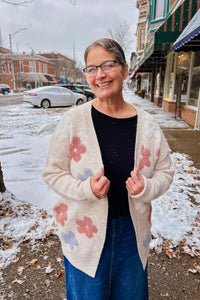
<point x="121" y="34"/>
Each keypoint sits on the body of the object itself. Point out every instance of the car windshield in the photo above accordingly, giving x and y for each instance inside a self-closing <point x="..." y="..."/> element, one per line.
<point x="78" y="89"/>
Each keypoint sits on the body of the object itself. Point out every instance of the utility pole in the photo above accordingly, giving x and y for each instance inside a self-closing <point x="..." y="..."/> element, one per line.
<point x="11" y="52"/>
<point x="34" y="60"/>
<point x="74" y="58"/>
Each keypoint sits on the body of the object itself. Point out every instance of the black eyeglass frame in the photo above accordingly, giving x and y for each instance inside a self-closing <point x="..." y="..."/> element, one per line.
<point x="99" y="66"/>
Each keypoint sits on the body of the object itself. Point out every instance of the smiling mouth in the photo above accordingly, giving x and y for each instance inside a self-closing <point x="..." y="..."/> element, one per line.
<point x="103" y="85"/>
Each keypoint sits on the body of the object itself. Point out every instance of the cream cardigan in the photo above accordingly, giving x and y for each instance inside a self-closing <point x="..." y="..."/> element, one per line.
<point x="73" y="157"/>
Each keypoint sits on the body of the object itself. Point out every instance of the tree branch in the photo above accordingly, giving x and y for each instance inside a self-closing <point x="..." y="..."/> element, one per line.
<point x="25" y="2"/>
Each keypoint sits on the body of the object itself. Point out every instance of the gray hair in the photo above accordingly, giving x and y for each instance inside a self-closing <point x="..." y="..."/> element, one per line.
<point x="110" y="46"/>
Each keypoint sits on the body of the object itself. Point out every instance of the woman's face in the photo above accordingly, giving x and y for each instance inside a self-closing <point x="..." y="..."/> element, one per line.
<point x="105" y="84"/>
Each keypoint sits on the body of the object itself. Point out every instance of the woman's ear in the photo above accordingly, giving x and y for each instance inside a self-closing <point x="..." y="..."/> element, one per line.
<point x="125" y="71"/>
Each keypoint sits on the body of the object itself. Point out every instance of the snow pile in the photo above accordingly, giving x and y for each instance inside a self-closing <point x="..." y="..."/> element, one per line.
<point x="20" y="222"/>
<point x="176" y="215"/>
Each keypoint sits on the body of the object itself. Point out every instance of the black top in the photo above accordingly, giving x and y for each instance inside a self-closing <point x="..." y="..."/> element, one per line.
<point x="116" y="139"/>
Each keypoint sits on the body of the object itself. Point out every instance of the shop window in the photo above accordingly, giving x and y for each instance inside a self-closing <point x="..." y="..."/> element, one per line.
<point x="169" y="85"/>
<point x="195" y="82"/>
<point x="182" y="75"/>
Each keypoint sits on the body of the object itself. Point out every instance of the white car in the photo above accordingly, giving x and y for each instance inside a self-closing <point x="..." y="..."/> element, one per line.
<point x="49" y="96"/>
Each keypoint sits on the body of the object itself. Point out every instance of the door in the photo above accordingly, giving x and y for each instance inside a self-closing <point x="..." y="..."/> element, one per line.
<point x="66" y="97"/>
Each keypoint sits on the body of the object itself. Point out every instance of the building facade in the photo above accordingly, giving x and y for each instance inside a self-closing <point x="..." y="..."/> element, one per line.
<point x="173" y="77"/>
<point x="33" y="70"/>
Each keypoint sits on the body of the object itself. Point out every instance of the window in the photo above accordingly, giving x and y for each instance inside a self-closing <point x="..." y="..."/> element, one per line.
<point x="21" y="66"/>
<point x="30" y="66"/>
<point x="195" y="82"/>
<point x="9" y="67"/>
<point x="160" y="9"/>
<point x="45" y="68"/>
<point x="40" y="67"/>
<point x="142" y="39"/>
<point x="3" y="67"/>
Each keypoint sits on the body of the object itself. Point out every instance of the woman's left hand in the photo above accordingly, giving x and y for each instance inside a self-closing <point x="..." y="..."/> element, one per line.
<point x="135" y="183"/>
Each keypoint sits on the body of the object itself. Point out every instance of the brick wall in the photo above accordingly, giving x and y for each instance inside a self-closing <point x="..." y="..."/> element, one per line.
<point x="188" y="115"/>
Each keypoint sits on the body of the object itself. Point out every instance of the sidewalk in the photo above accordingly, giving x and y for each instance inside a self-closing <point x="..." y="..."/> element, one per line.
<point x="180" y="136"/>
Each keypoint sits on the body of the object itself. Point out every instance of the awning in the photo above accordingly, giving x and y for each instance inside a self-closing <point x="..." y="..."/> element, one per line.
<point x="189" y="40"/>
<point x="161" y="43"/>
<point x="30" y="77"/>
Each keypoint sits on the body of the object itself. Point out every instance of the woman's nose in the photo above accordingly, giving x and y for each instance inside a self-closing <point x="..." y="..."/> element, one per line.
<point x="100" y="72"/>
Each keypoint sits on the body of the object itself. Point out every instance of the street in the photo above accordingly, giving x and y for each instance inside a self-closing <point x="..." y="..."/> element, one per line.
<point x="10" y="99"/>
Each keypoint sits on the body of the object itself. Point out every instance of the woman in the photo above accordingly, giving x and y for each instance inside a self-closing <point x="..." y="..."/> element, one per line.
<point x="108" y="161"/>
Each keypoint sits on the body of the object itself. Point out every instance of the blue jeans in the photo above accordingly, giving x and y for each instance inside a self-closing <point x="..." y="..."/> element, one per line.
<point x="119" y="276"/>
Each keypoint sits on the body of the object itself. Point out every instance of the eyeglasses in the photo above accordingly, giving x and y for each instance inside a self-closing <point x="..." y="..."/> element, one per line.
<point x="106" y="66"/>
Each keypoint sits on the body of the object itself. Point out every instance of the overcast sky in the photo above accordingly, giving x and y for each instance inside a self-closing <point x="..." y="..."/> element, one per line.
<point x="57" y="25"/>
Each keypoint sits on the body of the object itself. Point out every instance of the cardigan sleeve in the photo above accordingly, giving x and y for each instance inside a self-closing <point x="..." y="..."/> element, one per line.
<point x="57" y="173"/>
<point x="162" y="177"/>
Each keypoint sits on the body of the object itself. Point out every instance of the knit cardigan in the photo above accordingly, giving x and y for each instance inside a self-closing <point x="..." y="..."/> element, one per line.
<point x="73" y="157"/>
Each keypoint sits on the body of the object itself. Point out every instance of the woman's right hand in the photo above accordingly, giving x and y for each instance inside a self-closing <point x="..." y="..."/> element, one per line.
<point x="100" y="184"/>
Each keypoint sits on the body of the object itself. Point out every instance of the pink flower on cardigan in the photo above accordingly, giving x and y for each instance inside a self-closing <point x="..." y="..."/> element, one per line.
<point x="144" y="161"/>
<point x="158" y="152"/>
<point x="61" y="213"/>
<point x="76" y="149"/>
<point x="86" y="226"/>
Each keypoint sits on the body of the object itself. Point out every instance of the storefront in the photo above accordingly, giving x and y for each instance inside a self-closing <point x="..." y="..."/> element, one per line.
<point x="172" y="73"/>
<point x="184" y="88"/>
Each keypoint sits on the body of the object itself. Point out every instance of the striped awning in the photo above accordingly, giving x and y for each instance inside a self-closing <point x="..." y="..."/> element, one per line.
<point x="189" y="40"/>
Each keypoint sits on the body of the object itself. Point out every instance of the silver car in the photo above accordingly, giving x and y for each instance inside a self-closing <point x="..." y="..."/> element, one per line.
<point x="49" y="96"/>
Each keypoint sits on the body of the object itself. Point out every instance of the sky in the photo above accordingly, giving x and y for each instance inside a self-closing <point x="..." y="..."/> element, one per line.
<point x="62" y="27"/>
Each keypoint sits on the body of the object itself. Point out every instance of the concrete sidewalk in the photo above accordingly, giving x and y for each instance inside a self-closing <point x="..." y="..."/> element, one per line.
<point x="180" y="136"/>
<point x="164" y="118"/>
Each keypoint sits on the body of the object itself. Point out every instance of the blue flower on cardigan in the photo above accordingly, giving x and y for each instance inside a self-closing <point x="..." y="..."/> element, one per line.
<point x="86" y="174"/>
<point x="70" y="238"/>
<point x="147" y="240"/>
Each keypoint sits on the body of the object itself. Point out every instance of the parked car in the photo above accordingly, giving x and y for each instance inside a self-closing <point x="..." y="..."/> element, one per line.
<point x="4" y="89"/>
<point x="50" y="96"/>
<point x="80" y="88"/>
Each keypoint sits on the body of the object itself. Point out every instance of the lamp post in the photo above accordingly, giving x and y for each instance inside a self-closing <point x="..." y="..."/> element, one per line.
<point x="34" y="59"/>
<point x="12" y="66"/>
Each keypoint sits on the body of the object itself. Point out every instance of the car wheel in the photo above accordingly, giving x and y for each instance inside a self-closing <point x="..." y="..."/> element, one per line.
<point x="5" y="92"/>
<point x="89" y="98"/>
<point x="79" y="102"/>
<point x="45" y="103"/>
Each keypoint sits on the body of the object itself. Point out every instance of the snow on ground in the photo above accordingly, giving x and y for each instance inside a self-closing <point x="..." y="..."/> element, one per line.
<point x="24" y="139"/>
